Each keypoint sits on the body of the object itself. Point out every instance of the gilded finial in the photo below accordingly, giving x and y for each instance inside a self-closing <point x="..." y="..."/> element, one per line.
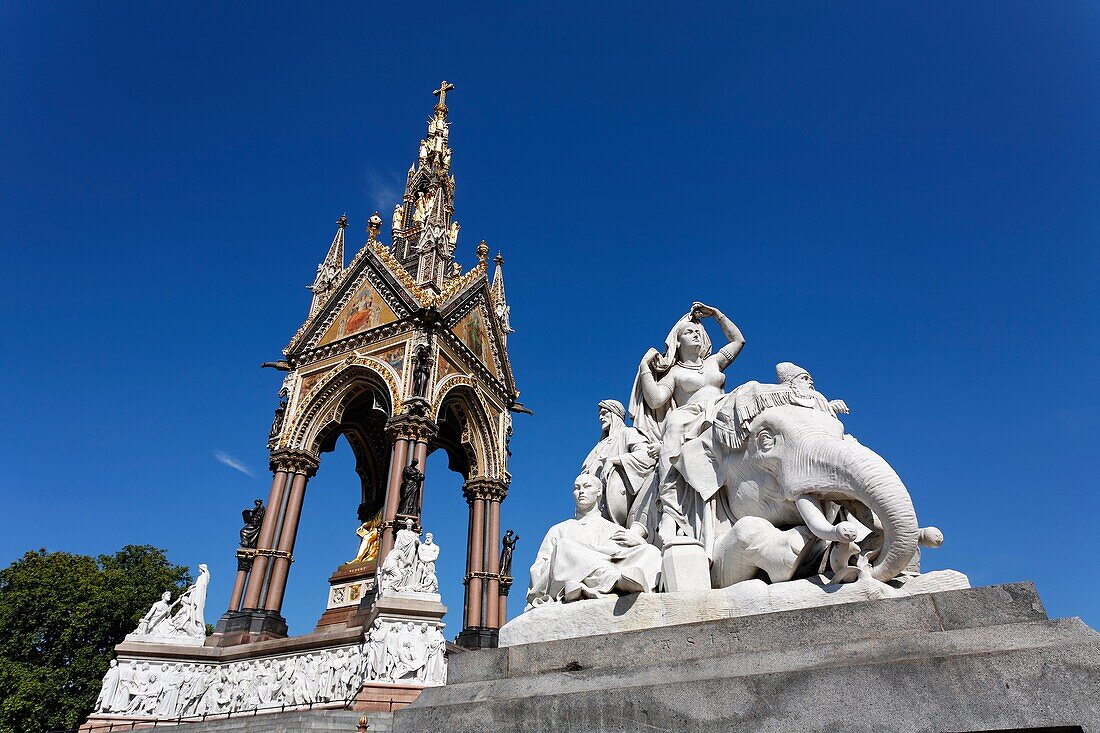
<point x="363" y="726"/>
<point x="442" y="94"/>
<point x="342" y="222"/>
<point x="374" y="224"/>
<point x="482" y="251"/>
<point x="499" y="259"/>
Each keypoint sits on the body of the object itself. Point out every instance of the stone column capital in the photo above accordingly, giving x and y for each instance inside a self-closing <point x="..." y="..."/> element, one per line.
<point x="245" y="556"/>
<point x="490" y="489"/>
<point x="417" y="428"/>
<point x="294" y="461"/>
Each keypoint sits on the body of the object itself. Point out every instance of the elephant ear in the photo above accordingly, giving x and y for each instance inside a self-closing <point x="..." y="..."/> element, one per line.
<point x="742" y="406"/>
<point x="727" y="433"/>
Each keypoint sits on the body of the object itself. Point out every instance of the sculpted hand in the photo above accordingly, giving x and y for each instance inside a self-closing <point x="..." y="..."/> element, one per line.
<point x="653" y="450"/>
<point x="626" y="538"/>
<point x="701" y="310"/>
<point x="838" y="406"/>
<point x="650" y="358"/>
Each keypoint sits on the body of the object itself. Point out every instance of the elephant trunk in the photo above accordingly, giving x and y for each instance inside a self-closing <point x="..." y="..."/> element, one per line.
<point x="844" y="470"/>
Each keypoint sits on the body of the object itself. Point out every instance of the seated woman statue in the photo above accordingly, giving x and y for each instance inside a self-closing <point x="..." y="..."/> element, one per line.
<point x="675" y="398"/>
<point x="591" y="557"/>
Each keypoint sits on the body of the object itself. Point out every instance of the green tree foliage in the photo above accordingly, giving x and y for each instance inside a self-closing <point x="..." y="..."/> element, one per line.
<point x="60" y="617"/>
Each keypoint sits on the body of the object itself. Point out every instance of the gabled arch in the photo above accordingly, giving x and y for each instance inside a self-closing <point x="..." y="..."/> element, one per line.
<point x="465" y="425"/>
<point x="325" y="405"/>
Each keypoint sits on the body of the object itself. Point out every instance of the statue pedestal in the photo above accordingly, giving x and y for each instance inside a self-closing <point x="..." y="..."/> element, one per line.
<point x="976" y="659"/>
<point x="684" y="565"/>
<point x="403" y="620"/>
<point x="174" y="640"/>
<point x="350" y="587"/>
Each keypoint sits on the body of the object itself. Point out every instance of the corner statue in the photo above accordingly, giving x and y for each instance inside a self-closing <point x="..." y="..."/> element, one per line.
<point x="591" y="557"/>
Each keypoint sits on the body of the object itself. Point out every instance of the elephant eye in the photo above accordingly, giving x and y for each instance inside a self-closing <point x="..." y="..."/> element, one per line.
<point x="765" y="441"/>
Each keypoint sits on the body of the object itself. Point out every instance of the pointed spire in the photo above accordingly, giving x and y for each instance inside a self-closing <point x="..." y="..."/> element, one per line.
<point x="329" y="270"/>
<point x="500" y="302"/>
<point x="423" y="233"/>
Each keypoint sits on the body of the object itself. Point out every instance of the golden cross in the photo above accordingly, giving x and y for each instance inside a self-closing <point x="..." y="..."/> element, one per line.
<point x="442" y="93"/>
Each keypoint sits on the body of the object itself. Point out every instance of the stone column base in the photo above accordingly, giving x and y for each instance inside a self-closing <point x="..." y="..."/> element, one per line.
<point x="477" y="637"/>
<point x="247" y="626"/>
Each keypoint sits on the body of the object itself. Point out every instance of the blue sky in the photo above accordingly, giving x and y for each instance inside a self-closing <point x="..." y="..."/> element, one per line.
<point x="900" y="197"/>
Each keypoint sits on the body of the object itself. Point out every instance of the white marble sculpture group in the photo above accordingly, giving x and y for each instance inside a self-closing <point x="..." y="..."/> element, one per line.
<point x="410" y="565"/>
<point x="707" y="488"/>
<point x="394" y="653"/>
<point x="179" y="622"/>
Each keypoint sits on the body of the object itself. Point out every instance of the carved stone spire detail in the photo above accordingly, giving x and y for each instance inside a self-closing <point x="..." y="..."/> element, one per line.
<point x="424" y="234"/>
<point x="331" y="269"/>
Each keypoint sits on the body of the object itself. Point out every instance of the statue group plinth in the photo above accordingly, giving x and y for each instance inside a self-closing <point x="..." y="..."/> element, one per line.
<point x="756" y="498"/>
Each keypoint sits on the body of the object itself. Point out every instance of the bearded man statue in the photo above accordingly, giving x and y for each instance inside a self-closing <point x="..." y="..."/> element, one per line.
<point x="624" y="460"/>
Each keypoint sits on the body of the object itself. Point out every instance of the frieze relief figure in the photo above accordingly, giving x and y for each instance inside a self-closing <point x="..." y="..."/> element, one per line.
<point x="763" y="477"/>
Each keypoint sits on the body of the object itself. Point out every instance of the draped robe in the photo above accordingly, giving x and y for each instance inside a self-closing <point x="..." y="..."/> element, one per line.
<point x="581" y="551"/>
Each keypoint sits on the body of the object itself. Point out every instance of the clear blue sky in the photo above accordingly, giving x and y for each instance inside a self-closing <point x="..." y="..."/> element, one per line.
<point x="901" y="197"/>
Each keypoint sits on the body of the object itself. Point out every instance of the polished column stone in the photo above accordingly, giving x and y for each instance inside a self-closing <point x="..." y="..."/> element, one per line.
<point x="265" y="540"/>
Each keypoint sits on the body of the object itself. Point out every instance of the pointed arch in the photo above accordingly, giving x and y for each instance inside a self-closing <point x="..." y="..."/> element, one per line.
<point x="466" y="426"/>
<point x="323" y="408"/>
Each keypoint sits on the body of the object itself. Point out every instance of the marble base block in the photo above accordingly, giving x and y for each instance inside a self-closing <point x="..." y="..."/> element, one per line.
<point x="684" y="566"/>
<point x="652" y="610"/>
<point x="978" y="659"/>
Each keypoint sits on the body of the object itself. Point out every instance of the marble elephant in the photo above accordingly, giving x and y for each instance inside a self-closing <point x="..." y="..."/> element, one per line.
<point x="788" y="473"/>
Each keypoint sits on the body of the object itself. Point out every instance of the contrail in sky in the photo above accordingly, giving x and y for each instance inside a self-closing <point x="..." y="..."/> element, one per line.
<point x="223" y="457"/>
